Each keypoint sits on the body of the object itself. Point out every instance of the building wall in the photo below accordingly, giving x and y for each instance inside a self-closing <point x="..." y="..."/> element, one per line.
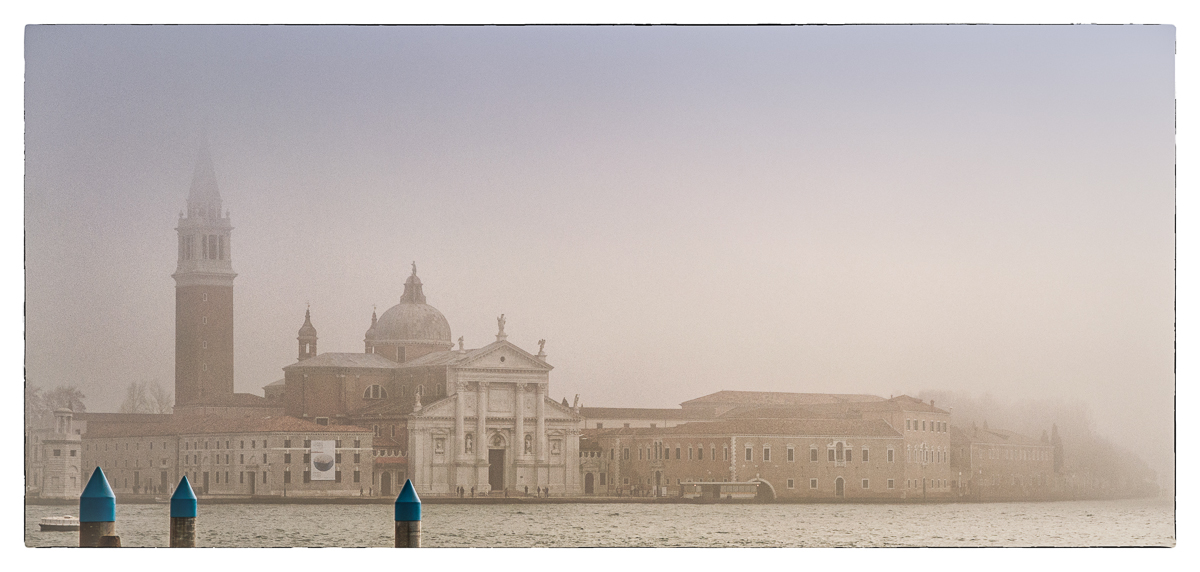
<point x="139" y="464"/>
<point x="927" y="469"/>
<point x="634" y="464"/>
<point x="993" y="471"/>
<point x="203" y="343"/>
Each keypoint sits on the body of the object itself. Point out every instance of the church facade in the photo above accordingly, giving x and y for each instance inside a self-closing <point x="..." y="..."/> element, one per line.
<point x="469" y="421"/>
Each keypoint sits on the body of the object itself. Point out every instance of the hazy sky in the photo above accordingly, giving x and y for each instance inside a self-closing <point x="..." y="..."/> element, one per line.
<point x="878" y="209"/>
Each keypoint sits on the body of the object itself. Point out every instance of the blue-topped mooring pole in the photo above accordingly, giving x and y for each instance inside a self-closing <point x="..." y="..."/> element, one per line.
<point x="183" y="516"/>
<point x="97" y="513"/>
<point x="408" y="517"/>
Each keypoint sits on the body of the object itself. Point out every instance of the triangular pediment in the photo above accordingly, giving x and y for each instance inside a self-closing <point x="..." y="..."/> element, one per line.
<point x="443" y="407"/>
<point x="503" y="355"/>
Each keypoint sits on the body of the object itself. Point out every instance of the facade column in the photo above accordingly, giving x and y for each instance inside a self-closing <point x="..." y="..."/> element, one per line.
<point x="520" y="414"/>
<point x="460" y="429"/>
<point x="540" y="438"/>
<point x="481" y="407"/>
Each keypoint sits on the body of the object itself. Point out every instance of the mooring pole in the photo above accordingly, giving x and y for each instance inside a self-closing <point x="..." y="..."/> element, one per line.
<point x="183" y="516"/>
<point x="408" y="517"/>
<point x="98" y="513"/>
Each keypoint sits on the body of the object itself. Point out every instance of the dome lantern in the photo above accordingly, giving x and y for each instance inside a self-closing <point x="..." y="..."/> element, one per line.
<point x="411" y="328"/>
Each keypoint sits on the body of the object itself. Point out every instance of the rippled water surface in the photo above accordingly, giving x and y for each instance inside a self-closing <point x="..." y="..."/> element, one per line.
<point x="1074" y="523"/>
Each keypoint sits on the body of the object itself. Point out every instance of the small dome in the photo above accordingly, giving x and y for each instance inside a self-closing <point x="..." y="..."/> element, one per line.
<point x="307" y="330"/>
<point x="412" y="320"/>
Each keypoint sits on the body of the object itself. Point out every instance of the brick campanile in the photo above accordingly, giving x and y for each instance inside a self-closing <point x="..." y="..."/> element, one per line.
<point x="203" y="295"/>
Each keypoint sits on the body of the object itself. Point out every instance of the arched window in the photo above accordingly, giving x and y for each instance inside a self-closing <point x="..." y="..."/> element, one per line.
<point x="375" y="392"/>
<point x="420" y="390"/>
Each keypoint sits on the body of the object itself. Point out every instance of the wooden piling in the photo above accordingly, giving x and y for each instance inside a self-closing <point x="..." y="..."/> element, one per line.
<point x="110" y="541"/>
<point x="97" y="513"/>
<point x="183" y="516"/>
<point x="408" y="517"/>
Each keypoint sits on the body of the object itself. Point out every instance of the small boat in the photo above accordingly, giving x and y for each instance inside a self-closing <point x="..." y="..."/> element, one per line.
<point x="66" y="522"/>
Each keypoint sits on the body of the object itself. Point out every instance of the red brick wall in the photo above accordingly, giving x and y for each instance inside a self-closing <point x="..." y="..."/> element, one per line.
<point x="203" y="373"/>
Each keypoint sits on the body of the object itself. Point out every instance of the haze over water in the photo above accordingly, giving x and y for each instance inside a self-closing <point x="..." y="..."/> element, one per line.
<point x="676" y="210"/>
<point x="1142" y="522"/>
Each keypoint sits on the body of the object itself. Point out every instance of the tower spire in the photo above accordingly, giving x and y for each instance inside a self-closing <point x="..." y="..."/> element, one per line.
<point x="204" y="199"/>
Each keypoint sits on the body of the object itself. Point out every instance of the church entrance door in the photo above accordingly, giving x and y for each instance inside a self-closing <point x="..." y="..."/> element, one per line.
<point x="496" y="469"/>
<point x="385" y="484"/>
<point x="589" y="484"/>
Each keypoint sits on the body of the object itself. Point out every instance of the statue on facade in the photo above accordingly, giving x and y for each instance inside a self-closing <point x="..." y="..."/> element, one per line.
<point x="470" y="443"/>
<point x="529" y="443"/>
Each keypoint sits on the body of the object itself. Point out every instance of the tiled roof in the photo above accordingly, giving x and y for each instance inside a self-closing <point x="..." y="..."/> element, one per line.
<point x="799" y="427"/>
<point x="244" y="400"/>
<point x="333" y="359"/>
<point x="907" y="403"/>
<point x="778" y="412"/>
<point x="778" y="398"/>
<point x="386" y="442"/>
<point x="92" y="418"/>
<point x="277" y="383"/>
<point x="442" y="358"/>
<point x="214" y="424"/>
<point x="635" y="413"/>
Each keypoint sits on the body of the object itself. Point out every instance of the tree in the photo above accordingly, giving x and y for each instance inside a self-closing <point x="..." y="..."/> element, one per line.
<point x="40" y="405"/>
<point x="146" y="397"/>
<point x="33" y="403"/>
<point x="65" y="396"/>
<point x="161" y="400"/>
<point x="136" y="399"/>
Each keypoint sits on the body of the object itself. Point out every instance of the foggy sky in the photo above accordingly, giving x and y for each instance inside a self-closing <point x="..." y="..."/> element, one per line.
<point x="675" y="210"/>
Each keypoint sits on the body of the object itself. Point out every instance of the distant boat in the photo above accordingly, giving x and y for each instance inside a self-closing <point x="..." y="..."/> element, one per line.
<point x="66" y="522"/>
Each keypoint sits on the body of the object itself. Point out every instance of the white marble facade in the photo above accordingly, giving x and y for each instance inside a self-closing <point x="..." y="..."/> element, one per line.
<point x="523" y="441"/>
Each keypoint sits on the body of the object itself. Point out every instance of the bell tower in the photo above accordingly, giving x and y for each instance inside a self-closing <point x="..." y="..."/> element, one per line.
<point x="203" y="295"/>
<point x="307" y="338"/>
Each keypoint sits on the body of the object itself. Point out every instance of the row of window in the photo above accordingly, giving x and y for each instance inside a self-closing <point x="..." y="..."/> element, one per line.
<point x="924" y="425"/>
<point x="287" y="459"/>
<point x="839" y="453"/>
<point x="195" y="445"/>
<point x="933" y="483"/>
<point x="866" y="484"/>
<point x="925" y="454"/>
<point x="1011" y="454"/>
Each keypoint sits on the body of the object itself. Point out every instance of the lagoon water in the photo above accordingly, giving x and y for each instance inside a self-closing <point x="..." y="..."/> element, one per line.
<point x="1142" y="522"/>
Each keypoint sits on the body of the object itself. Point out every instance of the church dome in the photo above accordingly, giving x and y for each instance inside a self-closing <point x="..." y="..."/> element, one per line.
<point x="412" y="320"/>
